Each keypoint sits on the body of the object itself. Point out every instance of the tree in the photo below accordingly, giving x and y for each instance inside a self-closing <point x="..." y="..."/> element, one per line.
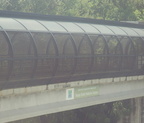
<point x="120" y="10"/>
<point x="104" y="9"/>
<point x="139" y="12"/>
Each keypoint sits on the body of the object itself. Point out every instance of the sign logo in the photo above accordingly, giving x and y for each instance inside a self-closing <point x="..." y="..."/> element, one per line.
<point x="70" y="94"/>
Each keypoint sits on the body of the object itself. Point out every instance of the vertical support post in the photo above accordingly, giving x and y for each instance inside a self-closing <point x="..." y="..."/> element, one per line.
<point x="137" y="114"/>
<point x="142" y="110"/>
<point x="132" y="118"/>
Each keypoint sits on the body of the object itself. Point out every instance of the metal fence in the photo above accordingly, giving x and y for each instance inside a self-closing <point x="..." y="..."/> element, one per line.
<point x="42" y="51"/>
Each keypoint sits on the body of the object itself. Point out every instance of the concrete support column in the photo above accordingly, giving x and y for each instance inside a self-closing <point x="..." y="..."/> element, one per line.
<point x="137" y="113"/>
<point x="132" y="118"/>
<point x="142" y="110"/>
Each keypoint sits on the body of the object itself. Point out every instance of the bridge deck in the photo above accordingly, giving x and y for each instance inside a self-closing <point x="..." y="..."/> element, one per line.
<point x="21" y="103"/>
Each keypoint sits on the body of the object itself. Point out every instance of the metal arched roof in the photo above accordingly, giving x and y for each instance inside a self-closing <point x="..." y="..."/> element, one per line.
<point x="71" y="27"/>
<point x="117" y="30"/>
<point x="139" y="31"/>
<point x="103" y="29"/>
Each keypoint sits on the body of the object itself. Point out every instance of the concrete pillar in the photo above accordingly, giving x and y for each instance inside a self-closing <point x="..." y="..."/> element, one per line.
<point x="142" y="110"/>
<point x="137" y="113"/>
<point x="132" y="118"/>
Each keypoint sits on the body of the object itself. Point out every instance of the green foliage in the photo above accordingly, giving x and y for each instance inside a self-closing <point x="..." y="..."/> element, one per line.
<point x="121" y="10"/>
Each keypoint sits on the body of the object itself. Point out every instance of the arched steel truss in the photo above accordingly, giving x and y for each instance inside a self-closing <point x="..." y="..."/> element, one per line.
<point x="66" y="51"/>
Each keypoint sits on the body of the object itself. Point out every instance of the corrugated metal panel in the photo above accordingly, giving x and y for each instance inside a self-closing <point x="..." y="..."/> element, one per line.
<point x="88" y="28"/>
<point x="139" y="31"/>
<point x="103" y="29"/>
<point x="53" y="26"/>
<point x="117" y="30"/>
<point x="32" y="25"/>
<point x="129" y="31"/>
<point x="71" y="27"/>
<point x="10" y="24"/>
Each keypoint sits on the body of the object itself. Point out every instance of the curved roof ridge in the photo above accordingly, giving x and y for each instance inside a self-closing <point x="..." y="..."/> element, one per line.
<point x="13" y="14"/>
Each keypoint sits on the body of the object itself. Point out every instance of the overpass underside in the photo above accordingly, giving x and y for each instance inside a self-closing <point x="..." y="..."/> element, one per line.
<point x="21" y="103"/>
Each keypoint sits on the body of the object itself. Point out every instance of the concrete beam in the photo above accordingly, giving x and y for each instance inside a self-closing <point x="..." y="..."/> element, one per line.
<point x="53" y="98"/>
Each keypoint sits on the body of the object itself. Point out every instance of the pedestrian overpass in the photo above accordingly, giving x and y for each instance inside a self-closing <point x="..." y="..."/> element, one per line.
<point x="51" y="64"/>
